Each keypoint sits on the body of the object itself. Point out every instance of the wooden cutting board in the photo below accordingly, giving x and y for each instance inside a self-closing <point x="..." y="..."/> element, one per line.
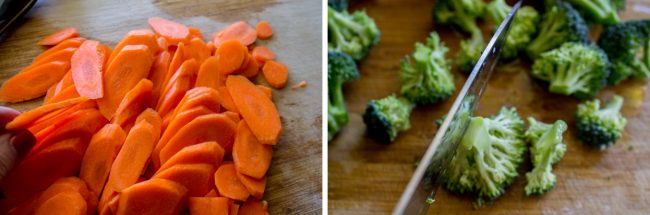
<point x="294" y="180"/>
<point x="366" y="177"/>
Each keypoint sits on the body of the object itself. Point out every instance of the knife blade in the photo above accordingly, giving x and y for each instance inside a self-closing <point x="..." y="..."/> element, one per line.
<point x="420" y="192"/>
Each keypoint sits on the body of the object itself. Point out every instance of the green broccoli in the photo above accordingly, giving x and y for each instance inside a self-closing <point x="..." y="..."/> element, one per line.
<point x="463" y="14"/>
<point x="426" y="77"/>
<point x="522" y="29"/>
<point x="386" y="117"/>
<point x="560" y="23"/>
<point x="600" y="127"/>
<point x="354" y="34"/>
<point x="341" y="68"/>
<point x="489" y="154"/>
<point x="622" y="42"/>
<point x="469" y="53"/>
<point x="338" y="5"/>
<point x="598" y="11"/>
<point x="574" y="69"/>
<point x="546" y="149"/>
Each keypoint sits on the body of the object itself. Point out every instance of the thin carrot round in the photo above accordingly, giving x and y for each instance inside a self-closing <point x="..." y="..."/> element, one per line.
<point x="59" y="36"/>
<point x="275" y="73"/>
<point x="231" y="55"/>
<point x="173" y="31"/>
<point x="239" y="31"/>
<point x="264" y="30"/>
<point x="263" y="53"/>
<point x="228" y="184"/>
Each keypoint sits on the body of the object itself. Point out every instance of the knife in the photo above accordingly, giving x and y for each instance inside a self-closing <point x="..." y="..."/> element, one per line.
<point x="11" y="11"/>
<point x="421" y="190"/>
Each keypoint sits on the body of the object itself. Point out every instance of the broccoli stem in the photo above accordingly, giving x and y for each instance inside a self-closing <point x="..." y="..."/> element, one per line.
<point x="611" y="110"/>
<point x="547" y="39"/>
<point x="601" y="9"/>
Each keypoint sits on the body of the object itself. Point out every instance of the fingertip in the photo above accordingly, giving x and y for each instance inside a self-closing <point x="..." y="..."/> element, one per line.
<point x="23" y="141"/>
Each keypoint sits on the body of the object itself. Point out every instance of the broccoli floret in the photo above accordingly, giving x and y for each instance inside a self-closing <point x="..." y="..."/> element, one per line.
<point x="598" y="11"/>
<point x="574" y="69"/>
<point x="600" y="127"/>
<point x="469" y="53"/>
<point x="622" y="42"/>
<point x="463" y="14"/>
<point x="338" y="5"/>
<point x="354" y="34"/>
<point x="522" y="29"/>
<point x="546" y="149"/>
<point x="489" y="154"/>
<point x="426" y="76"/>
<point x="560" y="23"/>
<point x="386" y="117"/>
<point x="341" y="68"/>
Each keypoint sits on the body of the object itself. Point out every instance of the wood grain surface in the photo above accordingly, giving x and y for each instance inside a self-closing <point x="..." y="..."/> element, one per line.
<point x="294" y="180"/>
<point x="365" y="177"/>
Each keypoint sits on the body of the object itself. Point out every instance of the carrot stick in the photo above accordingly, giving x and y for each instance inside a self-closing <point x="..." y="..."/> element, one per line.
<point x="266" y="90"/>
<point x="299" y="85"/>
<point x="134" y="102"/>
<point x="69" y="43"/>
<point x="136" y="37"/>
<point x="182" y="81"/>
<point x="239" y="31"/>
<point x="153" y="197"/>
<point x="80" y="124"/>
<point x="65" y="203"/>
<point x="99" y="157"/>
<point x="87" y="64"/>
<point x="131" y="65"/>
<point x="209" y="75"/>
<point x="226" y="99"/>
<point x="176" y="124"/>
<point x="254" y="207"/>
<point x="58" y="37"/>
<point x="62" y="55"/>
<point x="257" y="109"/>
<point x="158" y="73"/>
<point x="25" y="119"/>
<point x="211" y="127"/>
<point x="208" y="153"/>
<point x="254" y="186"/>
<point x="263" y="53"/>
<point x="66" y="93"/>
<point x="212" y="193"/>
<point x="264" y="30"/>
<point x="208" y="206"/>
<point x="174" y="32"/>
<point x="196" y="178"/>
<point x="54" y="116"/>
<point x="275" y="73"/>
<point x="250" y="156"/>
<point x="33" y="82"/>
<point x="230" y="56"/>
<point x="228" y="184"/>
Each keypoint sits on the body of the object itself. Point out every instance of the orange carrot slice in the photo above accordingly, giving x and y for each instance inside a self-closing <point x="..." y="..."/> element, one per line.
<point x="228" y="184"/>
<point x="134" y="102"/>
<point x="233" y="207"/>
<point x="174" y="32"/>
<point x="208" y="206"/>
<point x="163" y="45"/>
<point x="256" y="108"/>
<point x="99" y="157"/>
<point x="69" y="43"/>
<point x="210" y="47"/>
<point x="275" y="73"/>
<point x="226" y="99"/>
<point x="264" y="30"/>
<point x="179" y="84"/>
<point x="263" y="53"/>
<point x="27" y="118"/>
<point x="196" y="178"/>
<point x="87" y="64"/>
<point x="208" y="153"/>
<point x="266" y="90"/>
<point x="81" y="124"/>
<point x="159" y="72"/>
<point x="178" y="58"/>
<point x="62" y="55"/>
<point x="250" y="156"/>
<point x="132" y="158"/>
<point x="254" y="207"/>
<point x="176" y="124"/>
<point x="239" y="31"/>
<point x="153" y="197"/>
<point x="136" y="37"/>
<point x="230" y="56"/>
<point x="212" y="193"/>
<point x="69" y="184"/>
<point x="195" y="32"/>
<point x="209" y="75"/>
<point x="54" y="116"/>
<point x="33" y="82"/>
<point x="254" y="186"/>
<point x="199" y="50"/>
<point x="199" y="96"/>
<point x="66" y="93"/>
<point x="251" y="69"/>
<point x="58" y="37"/>
<point x="65" y="203"/>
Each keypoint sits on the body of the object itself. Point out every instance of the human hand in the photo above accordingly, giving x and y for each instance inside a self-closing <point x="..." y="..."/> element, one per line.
<point x="13" y="143"/>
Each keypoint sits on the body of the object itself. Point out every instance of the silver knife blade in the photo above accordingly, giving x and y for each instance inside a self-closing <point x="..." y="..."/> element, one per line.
<point x="421" y="189"/>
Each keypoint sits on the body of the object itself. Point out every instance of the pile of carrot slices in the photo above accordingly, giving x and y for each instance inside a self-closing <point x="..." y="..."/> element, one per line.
<point x="162" y="123"/>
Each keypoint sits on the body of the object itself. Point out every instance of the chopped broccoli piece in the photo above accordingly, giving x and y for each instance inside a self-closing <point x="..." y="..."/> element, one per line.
<point x="522" y="29"/>
<point x="622" y="42"/>
<point x="489" y="154"/>
<point x="560" y="23"/>
<point x="341" y="68"/>
<point x="354" y="34"/>
<point x="574" y="69"/>
<point x="469" y="53"/>
<point x="546" y="149"/>
<point x="426" y="77"/>
<point x="338" y="5"/>
<point x="386" y="117"/>
<point x="600" y="127"/>
<point x="598" y="11"/>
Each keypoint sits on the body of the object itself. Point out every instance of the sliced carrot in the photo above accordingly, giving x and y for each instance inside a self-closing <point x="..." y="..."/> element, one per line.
<point x="208" y="206"/>
<point x="250" y="156"/>
<point x="58" y="37"/>
<point x="199" y="50"/>
<point x="176" y="124"/>
<point x="233" y="116"/>
<point x="179" y="84"/>
<point x="54" y="116"/>
<point x="134" y="102"/>
<point x="251" y="69"/>
<point x="211" y="127"/>
<point x="254" y="186"/>
<point x="226" y="99"/>
<point x="275" y="73"/>
<point x="87" y="64"/>
<point x="131" y="65"/>
<point x="228" y="184"/>
<point x="178" y="58"/>
<point x="210" y="47"/>
<point x="65" y="203"/>
<point x="239" y="31"/>
<point x="152" y="117"/>
<point x="263" y="53"/>
<point x="299" y="85"/>
<point x="132" y="158"/>
<point x="264" y="30"/>
<point x="33" y="82"/>
<point x="69" y="184"/>
<point x="26" y="207"/>
<point x="208" y="153"/>
<point x="81" y="124"/>
<point x="153" y="197"/>
<point x="216" y="39"/>
<point x="136" y="37"/>
<point x="199" y="96"/>
<point x="230" y="56"/>
<point x="69" y="43"/>
<point x="195" y="32"/>
<point x="65" y="82"/>
<point x="49" y="94"/>
<point x="209" y="75"/>
<point x="196" y="178"/>
<point x="163" y="45"/>
<point x="233" y="207"/>
<point x="25" y="119"/>
<point x="62" y="55"/>
<point x="254" y="207"/>
<point x="174" y="32"/>
<point x="159" y="72"/>
<point x="113" y="204"/>
<point x="212" y="193"/>
<point x="256" y="108"/>
<point x="66" y="93"/>
<point x="99" y="157"/>
<point x="266" y="90"/>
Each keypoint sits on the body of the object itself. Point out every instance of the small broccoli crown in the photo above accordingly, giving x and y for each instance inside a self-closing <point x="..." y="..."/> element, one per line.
<point x="498" y="10"/>
<point x="469" y="53"/>
<point x="338" y="5"/>
<point x="522" y="29"/>
<point x="426" y="76"/>
<point x="341" y="68"/>
<point x="597" y="127"/>
<point x="385" y="118"/>
<point x="355" y="34"/>
<point x="546" y="149"/>
<point x="489" y="154"/>
<point x="460" y="13"/>
<point x="537" y="129"/>
<point x="560" y="23"/>
<point x="574" y="69"/>
<point x="622" y="42"/>
<point x="598" y="11"/>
